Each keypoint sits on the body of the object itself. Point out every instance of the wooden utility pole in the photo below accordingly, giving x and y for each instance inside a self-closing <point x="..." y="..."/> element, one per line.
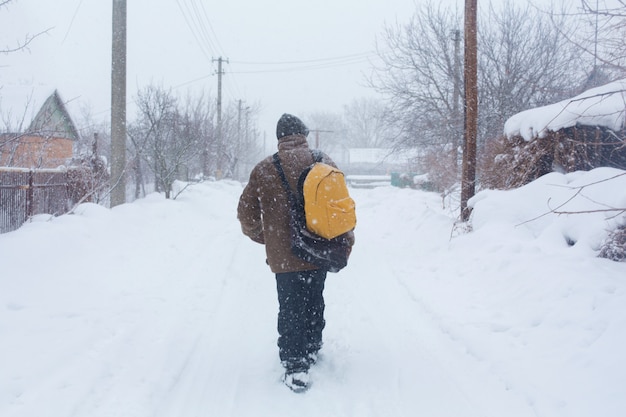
<point x="118" y="105"/>
<point x="468" y="180"/>
<point x="457" y="122"/>
<point x="317" y="136"/>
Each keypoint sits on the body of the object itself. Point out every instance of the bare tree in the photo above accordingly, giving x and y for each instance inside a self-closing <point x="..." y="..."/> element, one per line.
<point x="243" y="145"/>
<point x="199" y="112"/>
<point x="20" y="45"/>
<point x="600" y="36"/>
<point x="9" y="140"/>
<point x="419" y="76"/>
<point x="91" y="156"/>
<point x="12" y="133"/>
<point x="523" y="62"/>
<point x="365" y="123"/>
<point x="163" y="136"/>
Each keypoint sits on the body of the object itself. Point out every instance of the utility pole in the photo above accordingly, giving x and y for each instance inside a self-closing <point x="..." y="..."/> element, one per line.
<point x="218" y="140"/>
<point x="595" y="40"/>
<point x="456" y="97"/>
<point x="247" y="124"/>
<point x="239" y="121"/>
<point x="317" y="136"/>
<point x="468" y="180"/>
<point x="220" y="72"/>
<point x="118" y="105"/>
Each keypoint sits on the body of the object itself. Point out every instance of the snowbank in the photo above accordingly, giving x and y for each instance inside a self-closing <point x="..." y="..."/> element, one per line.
<point x="578" y="209"/>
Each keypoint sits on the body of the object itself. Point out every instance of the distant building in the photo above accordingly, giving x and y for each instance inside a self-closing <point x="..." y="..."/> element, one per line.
<point x="378" y="161"/>
<point x="48" y="142"/>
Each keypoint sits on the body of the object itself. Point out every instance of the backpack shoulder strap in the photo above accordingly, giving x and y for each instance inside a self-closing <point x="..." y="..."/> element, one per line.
<point x="318" y="155"/>
<point x="283" y="178"/>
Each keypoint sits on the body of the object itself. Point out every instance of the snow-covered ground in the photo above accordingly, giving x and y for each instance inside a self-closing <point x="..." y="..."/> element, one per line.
<point x="163" y="308"/>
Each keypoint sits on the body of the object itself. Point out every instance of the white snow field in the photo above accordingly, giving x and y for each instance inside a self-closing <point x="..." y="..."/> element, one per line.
<point x="163" y="308"/>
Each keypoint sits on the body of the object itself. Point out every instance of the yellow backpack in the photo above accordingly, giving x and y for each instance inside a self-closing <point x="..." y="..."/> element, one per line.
<point x="329" y="210"/>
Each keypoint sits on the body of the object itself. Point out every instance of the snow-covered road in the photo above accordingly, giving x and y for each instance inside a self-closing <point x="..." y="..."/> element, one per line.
<point x="163" y="308"/>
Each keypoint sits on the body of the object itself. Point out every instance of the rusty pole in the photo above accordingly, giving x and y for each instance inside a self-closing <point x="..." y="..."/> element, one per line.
<point x="468" y="180"/>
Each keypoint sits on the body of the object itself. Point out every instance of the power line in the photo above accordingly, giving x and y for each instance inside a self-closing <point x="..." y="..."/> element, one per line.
<point x="201" y="44"/>
<point x="198" y="22"/>
<point x="72" y="21"/>
<point x="195" y="80"/>
<point x="206" y="16"/>
<point x="196" y="25"/>
<point x="309" y="65"/>
<point x="234" y="90"/>
<point x="358" y="56"/>
<point x="302" y="68"/>
<point x="201" y="26"/>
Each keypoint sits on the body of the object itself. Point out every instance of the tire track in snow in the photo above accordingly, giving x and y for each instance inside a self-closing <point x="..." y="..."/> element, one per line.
<point x="430" y="371"/>
<point x="228" y="358"/>
<point x="391" y="364"/>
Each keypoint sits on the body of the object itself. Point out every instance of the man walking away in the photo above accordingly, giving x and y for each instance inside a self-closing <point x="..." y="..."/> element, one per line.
<point x="263" y="212"/>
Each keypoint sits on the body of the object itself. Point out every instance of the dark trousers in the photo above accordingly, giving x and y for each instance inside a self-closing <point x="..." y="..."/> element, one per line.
<point x="300" y="316"/>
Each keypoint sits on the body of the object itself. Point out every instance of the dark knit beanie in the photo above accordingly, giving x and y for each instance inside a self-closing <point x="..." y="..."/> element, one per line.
<point x="290" y="125"/>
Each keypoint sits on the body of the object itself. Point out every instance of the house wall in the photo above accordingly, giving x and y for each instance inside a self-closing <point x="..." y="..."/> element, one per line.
<point x="36" y="152"/>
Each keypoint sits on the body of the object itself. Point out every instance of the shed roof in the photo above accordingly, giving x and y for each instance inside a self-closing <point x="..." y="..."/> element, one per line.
<point x="601" y="106"/>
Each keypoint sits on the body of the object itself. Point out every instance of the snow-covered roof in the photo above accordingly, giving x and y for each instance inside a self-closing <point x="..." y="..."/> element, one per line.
<point x="602" y="106"/>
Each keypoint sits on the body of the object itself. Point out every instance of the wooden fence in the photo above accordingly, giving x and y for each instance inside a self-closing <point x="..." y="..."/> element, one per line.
<point x="25" y="193"/>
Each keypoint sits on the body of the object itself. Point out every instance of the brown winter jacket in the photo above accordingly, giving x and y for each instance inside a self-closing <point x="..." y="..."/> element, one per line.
<point x="263" y="209"/>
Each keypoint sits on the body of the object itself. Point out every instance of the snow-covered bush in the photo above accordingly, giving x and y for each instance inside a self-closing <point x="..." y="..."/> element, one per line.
<point x="614" y="247"/>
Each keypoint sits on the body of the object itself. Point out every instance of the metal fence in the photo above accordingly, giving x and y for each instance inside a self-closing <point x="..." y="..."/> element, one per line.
<point x="25" y="193"/>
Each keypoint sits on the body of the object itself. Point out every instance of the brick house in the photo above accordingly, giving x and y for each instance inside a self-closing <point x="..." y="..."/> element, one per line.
<point x="48" y="142"/>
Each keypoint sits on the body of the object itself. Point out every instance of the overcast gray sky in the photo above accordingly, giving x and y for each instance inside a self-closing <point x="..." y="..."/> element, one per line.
<point x="173" y="43"/>
<point x="286" y="55"/>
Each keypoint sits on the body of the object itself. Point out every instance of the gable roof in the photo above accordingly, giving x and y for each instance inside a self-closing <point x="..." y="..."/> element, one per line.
<point x="53" y="120"/>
